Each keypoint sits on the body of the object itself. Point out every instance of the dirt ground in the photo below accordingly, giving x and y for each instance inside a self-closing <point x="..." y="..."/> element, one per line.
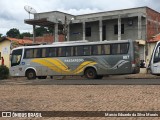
<point x="80" y="98"/>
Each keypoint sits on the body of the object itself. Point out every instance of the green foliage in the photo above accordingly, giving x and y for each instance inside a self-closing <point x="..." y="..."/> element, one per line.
<point x="14" y="33"/>
<point x="2" y="38"/>
<point x="39" y="31"/>
<point x="4" y="72"/>
<point x="42" y="30"/>
<point x="25" y="34"/>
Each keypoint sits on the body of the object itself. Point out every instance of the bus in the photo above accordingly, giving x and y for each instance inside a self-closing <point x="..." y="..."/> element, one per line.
<point x="154" y="64"/>
<point x="76" y="58"/>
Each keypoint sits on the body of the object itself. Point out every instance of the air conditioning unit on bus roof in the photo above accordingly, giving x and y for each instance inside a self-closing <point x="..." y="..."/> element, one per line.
<point x="69" y="42"/>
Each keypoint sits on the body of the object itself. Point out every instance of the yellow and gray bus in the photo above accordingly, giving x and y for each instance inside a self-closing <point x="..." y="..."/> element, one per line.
<point x="90" y="59"/>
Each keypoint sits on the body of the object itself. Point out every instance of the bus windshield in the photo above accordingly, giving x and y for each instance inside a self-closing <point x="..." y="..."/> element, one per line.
<point x="16" y="57"/>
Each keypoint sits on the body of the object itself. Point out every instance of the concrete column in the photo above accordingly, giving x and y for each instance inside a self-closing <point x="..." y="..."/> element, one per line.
<point x="34" y="34"/>
<point x="68" y="32"/>
<point x="144" y="53"/>
<point x="56" y="32"/>
<point x="119" y="27"/>
<point x="100" y="29"/>
<point x="139" y="27"/>
<point x="84" y="30"/>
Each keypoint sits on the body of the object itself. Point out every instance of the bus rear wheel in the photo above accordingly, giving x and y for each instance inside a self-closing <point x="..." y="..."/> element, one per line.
<point x="31" y="75"/>
<point x="90" y="73"/>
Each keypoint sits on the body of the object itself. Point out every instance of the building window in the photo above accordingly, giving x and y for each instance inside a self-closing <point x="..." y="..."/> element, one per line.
<point x="116" y="29"/>
<point x="122" y="28"/>
<point x="88" y="32"/>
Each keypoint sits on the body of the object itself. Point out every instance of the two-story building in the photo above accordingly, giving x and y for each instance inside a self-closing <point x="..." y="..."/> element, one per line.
<point x="136" y="23"/>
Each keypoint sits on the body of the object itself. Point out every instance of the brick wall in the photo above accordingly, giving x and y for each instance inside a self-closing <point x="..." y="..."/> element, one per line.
<point x="46" y="39"/>
<point x="153" y="27"/>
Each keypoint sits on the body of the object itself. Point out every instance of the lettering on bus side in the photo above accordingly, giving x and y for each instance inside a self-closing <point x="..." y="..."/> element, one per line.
<point x="73" y="60"/>
<point x="126" y="57"/>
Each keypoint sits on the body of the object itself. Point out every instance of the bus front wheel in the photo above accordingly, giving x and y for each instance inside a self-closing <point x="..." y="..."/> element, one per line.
<point x="90" y="73"/>
<point x="31" y="74"/>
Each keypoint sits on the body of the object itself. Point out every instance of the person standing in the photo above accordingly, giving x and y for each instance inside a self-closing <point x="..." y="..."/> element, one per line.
<point x="2" y="61"/>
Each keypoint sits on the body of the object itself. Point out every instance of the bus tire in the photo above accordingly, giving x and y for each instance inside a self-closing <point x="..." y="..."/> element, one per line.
<point x="90" y="73"/>
<point x="31" y="74"/>
<point x="42" y="77"/>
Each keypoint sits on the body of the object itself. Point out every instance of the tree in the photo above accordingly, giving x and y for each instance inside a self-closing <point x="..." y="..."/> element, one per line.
<point x="25" y="34"/>
<point x="40" y="31"/>
<point x="14" y="33"/>
<point x="1" y="35"/>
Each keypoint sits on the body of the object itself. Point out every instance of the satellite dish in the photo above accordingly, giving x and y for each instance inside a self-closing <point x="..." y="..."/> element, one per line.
<point x="30" y="10"/>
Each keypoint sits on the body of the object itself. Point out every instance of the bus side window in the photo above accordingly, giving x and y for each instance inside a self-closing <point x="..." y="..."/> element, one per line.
<point x="106" y="49"/>
<point x="79" y="51"/>
<point x="87" y="50"/>
<point x="51" y="52"/>
<point x="69" y="51"/>
<point x="28" y="53"/>
<point x="96" y="49"/>
<point x="115" y="49"/>
<point x="37" y="53"/>
<point x="44" y="52"/>
<point x="124" y="48"/>
<point x="61" y="52"/>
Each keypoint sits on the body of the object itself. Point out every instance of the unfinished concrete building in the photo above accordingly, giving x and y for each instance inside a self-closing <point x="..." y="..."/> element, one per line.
<point x="135" y="23"/>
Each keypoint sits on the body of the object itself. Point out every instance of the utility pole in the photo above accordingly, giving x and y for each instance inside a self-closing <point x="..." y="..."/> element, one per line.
<point x="65" y="26"/>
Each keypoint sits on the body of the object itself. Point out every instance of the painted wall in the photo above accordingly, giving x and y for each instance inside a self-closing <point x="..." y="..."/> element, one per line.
<point x="5" y="52"/>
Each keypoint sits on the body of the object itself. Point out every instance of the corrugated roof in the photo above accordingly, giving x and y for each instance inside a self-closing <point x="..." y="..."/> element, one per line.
<point x="20" y="41"/>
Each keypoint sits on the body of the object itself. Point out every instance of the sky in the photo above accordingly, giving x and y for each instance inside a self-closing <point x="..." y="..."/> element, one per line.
<point x="12" y="13"/>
